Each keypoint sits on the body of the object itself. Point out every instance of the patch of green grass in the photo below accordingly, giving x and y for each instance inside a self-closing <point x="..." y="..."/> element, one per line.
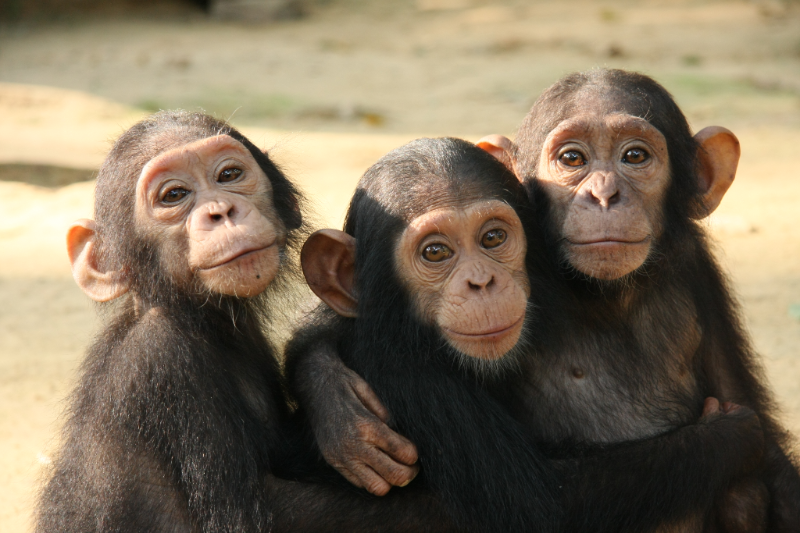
<point x="150" y="105"/>
<point x="692" y="60"/>
<point x="256" y="109"/>
<point x="702" y="85"/>
<point x="239" y="106"/>
<point x="705" y="85"/>
<point x="609" y="15"/>
<point x="249" y="107"/>
<point x="707" y="98"/>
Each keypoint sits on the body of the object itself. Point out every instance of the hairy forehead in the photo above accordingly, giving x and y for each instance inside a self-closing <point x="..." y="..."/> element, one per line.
<point x="200" y="151"/>
<point x="608" y="99"/>
<point x="446" y="213"/>
<point x="591" y="123"/>
<point x="438" y="195"/>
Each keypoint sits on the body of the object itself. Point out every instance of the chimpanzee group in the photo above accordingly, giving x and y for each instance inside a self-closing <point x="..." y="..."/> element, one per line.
<point x="526" y="335"/>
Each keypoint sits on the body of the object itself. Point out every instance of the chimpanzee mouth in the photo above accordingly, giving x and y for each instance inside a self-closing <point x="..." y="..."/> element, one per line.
<point x="610" y="242"/>
<point x="489" y="335"/>
<point x="241" y="254"/>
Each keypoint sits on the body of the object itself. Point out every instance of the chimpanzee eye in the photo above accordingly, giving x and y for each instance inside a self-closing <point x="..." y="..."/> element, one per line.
<point x="572" y="158"/>
<point x="173" y="196"/>
<point x="635" y="156"/>
<point x="493" y="238"/>
<point x="229" y="174"/>
<point x="436" y="252"/>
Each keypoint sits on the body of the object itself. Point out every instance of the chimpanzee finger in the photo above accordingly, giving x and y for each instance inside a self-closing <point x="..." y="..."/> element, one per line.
<point x="368" y="397"/>
<point x="710" y="406"/>
<point x="730" y="407"/>
<point x="363" y="476"/>
<point x="390" y="470"/>
<point x="396" y="446"/>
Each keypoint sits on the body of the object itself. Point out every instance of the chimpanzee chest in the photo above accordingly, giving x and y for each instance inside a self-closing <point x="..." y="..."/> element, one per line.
<point x="606" y="383"/>
<point x="578" y="399"/>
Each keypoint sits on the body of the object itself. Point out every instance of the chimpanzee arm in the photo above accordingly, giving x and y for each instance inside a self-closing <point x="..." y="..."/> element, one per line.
<point x="638" y="486"/>
<point x="635" y="486"/>
<point x="191" y="430"/>
<point x="182" y="417"/>
<point x="737" y="378"/>
<point x="732" y="372"/>
<point x="240" y="503"/>
<point x="301" y="507"/>
<point x="783" y="483"/>
<point x="349" y="422"/>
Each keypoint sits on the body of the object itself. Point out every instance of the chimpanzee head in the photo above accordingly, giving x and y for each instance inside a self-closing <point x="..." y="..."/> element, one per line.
<point x="434" y="233"/>
<point x="610" y="158"/>
<point x="185" y="206"/>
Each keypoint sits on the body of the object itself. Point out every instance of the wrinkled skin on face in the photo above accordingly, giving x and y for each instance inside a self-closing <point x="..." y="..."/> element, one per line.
<point x="208" y="204"/>
<point x="464" y="267"/>
<point x="606" y="176"/>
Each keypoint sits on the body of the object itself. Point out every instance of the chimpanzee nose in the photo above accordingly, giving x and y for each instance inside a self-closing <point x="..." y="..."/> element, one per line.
<point x="603" y="190"/>
<point x="480" y="279"/>
<point x="476" y="286"/>
<point x="220" y="210"/>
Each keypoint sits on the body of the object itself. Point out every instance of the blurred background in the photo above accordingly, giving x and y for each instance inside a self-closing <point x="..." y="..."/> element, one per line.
<point x="328" y="86"/>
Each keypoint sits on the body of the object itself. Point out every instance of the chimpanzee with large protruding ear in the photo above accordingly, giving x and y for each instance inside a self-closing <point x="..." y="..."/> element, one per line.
<point x="441" y="290"/>
<point x="179" y="422"/>
<point x="646" y="328"/>
<point x="620" y="181"/>
<point x="430" y="281"/>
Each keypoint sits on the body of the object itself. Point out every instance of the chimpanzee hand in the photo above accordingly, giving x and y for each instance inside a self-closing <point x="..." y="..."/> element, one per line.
<point x="350" y="425"/>
<point x="712" y="407"/>
<point x="748" y="428"/>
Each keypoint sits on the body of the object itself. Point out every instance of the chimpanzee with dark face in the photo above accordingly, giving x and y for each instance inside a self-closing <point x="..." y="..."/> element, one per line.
<point x="442" y="291"/>
<point x="645" y="327"/>
<point x="179" y="422"/>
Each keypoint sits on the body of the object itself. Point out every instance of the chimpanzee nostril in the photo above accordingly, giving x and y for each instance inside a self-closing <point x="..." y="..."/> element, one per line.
<point x="216" y="218"/>
<point x="476" y="286"/>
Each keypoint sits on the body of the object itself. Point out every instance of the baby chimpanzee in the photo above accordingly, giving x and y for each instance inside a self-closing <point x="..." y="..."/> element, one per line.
<point x="442" y="295"/>
<point x="178" y="422"/>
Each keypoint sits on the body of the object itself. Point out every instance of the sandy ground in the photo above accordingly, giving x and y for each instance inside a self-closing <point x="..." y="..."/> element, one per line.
<point x="328" y="95"/>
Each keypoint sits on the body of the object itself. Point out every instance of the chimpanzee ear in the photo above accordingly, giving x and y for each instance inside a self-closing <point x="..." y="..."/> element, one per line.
<point x="717" y="159"/>
<point x="501" y="147"/>
<point x="98" y="285"/>
<point x="328" y="259"/>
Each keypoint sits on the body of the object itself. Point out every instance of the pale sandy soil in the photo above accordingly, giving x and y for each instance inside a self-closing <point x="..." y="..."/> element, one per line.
<point x="328" y="95"/>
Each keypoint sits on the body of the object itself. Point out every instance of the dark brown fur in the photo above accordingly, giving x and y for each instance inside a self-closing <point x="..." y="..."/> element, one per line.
<point x="467" y="445"/>
<point x="629" y="361"/>
<point x="178" y="422"/>
<point x="652" y="345"/>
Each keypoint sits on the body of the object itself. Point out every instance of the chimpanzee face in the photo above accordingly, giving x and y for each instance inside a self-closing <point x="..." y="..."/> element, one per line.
<point x="464" y="267"/>
<point x="606" y="176"/>
<point x="209" y="206"/>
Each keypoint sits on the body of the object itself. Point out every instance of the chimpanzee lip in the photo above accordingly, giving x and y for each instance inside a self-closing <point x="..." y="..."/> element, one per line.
<point x="241" y="253"/>
<point x="609" y="241"/>
<point x="482" y="336"/>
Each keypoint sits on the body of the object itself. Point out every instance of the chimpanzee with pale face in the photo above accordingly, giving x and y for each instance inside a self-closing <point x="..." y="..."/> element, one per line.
<point x="179" y="422"/>
<point x="442" y="292"/>
<point x="413" y="278"/>
<point x="620" y="182"/>
<point x="644" y="328"/>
